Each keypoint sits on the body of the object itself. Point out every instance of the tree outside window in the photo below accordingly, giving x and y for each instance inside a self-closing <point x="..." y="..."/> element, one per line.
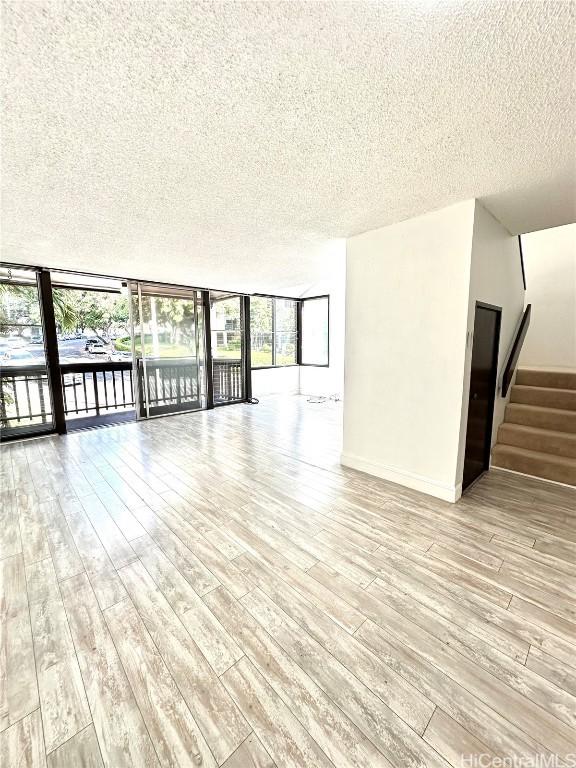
<point x="272" y="331"/>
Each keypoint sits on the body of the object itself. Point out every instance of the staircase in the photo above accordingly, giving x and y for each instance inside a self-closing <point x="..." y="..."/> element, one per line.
<point x="538" y="434"/>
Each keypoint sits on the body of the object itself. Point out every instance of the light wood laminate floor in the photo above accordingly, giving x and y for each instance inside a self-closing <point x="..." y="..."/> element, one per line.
<point x="215" y="589"/>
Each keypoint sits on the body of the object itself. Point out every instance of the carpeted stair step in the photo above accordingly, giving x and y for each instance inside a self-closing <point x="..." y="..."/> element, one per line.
<point x="547" y="397"/>
<point x="557" y="379"/>
<point x="558" y="468"/>
<point x="543" y="418"/>
<point x="534" y="439"/>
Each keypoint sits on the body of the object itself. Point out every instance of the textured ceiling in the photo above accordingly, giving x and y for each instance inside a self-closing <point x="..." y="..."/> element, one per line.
<point x="227" y="144"/>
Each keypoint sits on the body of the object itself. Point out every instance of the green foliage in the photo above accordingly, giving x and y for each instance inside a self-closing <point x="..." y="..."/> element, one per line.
<point x="64" y="312"/>
<point x="123" y="345"/>
<point x="95" y="310"/>
<point x="165" y="347"/>
<point x="261" y="314"/>
<point x="176" y="316"/>
<point x="73" y="309"/>
<point x="19" y="304"/>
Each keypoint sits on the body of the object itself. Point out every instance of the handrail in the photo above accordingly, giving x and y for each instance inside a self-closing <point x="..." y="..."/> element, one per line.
<point x="227" y="360"/>
<point x="522" y="261"/>
<point x="105" y="365"/>
<point x="167" y="362"/>
<point x="8" y="371"/>
<point x="515" y="351"/>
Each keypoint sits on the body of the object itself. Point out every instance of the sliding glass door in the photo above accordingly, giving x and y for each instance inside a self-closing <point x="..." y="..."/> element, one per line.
<point x="25" y="396"/>
<point x="168" y="348"/>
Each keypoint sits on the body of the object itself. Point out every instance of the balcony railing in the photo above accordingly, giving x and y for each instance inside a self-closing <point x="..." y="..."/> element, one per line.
<point x="171" y="384"/>
<point x="24" y="397"/>
<point x="227" y="378"/>
<point x="94" y="389"/>
<point x="91" y="389"/>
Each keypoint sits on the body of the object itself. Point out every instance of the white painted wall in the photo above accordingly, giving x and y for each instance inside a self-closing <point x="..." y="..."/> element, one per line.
<point x="496" y="279"/>
<point x="276" y="381"/>
<point x="406" y="313"/>
<point x="550" y="265"/>
<point x="330" y="380"/>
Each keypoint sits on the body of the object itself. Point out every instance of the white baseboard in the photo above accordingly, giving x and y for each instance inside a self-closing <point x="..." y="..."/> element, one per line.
<point x="408" y="479"/>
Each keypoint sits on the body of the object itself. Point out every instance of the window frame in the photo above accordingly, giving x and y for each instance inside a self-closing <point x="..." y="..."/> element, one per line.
<point x="301" y="304"/>
<point x="273" y="331"/>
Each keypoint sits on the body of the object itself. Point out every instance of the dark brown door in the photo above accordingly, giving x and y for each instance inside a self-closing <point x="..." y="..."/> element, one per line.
<point x="482" y="391"/>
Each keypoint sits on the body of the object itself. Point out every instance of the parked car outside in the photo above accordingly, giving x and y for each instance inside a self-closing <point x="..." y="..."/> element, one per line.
<point x="97" y="348"/>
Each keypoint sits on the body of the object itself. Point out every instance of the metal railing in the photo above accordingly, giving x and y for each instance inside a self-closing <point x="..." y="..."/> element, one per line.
<point x="170" y="384"/>
<point x="24" y="396"/>
<point x="227" y="378"/>
<point x="97" y="388"/>
<point x="90" y="389"/>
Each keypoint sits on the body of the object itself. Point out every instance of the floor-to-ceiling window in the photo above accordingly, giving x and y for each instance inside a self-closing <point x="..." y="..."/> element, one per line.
<point x="94" y="336"/>
<point x="25" y="397"/>
<point x="76" y="349"/>
<point x="228" y="347"/>
<point x="169" y="349"/>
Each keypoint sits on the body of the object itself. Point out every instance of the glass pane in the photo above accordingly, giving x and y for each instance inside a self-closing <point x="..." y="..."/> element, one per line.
<point x="286" y="348"/>
<point x="285" y="329"/>
<point x="261" y="339"/>
<point x="285" y="315"/>
<point x="261" y="314"/>
<point x="227" y="347"/>
<point x="25" y="400"/>
<point x="92" y="326"/>
<point x="169" y="327"/>
<point x="96" y="372"/>
<point x="169" y="349"/>
<point x="262" y="350"/>
<point x="226" y="329"/>
<point x="21" y="332"/>
<point x="315" y="331"/>
<point x="95" y="348"/>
